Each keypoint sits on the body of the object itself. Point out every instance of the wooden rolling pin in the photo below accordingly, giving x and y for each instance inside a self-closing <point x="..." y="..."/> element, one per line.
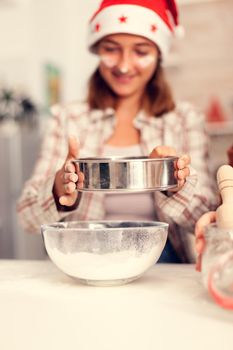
<point x="224" y="213"/>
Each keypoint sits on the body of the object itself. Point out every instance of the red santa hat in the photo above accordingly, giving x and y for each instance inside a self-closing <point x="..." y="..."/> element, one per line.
<point x="156" y="20"/>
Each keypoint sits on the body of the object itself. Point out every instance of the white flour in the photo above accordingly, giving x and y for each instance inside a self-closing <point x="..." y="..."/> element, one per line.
<point x="111" y="266"/>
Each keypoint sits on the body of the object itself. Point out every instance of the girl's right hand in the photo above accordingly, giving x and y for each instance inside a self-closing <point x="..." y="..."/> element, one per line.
<point x="69" y="178"/>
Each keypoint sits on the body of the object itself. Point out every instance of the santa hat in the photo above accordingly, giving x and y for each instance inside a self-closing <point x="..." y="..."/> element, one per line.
<point x="156" y="20"/>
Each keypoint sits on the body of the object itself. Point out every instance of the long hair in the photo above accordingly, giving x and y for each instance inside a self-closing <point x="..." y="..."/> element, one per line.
<point x="156" y="100"/>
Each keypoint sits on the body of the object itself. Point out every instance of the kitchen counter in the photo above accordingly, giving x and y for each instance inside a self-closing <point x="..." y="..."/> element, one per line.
<point x="168" y="308"/>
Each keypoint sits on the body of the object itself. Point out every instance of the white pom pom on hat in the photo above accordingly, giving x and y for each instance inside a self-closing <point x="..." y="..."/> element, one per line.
<point x="156" y="20"/>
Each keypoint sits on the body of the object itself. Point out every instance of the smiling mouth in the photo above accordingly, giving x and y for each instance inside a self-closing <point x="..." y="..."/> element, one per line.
<point x="123" y="78"/>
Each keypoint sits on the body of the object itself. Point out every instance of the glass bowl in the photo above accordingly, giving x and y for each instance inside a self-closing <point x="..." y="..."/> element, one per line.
<point x="217" y="264"/>
<point x="105" y="252"/>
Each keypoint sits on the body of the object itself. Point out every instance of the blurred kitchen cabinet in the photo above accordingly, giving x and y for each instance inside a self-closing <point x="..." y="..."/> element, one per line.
<point x="18" y="150"/>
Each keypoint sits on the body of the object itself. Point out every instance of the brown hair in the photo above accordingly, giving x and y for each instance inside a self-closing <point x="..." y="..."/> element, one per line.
<point x="157" y="98"/>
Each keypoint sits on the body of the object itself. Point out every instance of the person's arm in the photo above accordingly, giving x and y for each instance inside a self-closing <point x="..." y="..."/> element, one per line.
<point x="38" y="203"/>
<point x="198" y="194"/>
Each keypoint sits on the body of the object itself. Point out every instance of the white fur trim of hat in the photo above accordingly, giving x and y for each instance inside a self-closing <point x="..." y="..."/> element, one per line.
<point x="156" y="20"/>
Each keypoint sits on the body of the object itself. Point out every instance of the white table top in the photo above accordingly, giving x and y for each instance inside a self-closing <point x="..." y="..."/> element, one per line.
<point x="168" y="308"/>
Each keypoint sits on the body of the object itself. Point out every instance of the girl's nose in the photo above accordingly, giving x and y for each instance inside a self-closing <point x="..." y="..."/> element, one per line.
<point x="125" y="62"/>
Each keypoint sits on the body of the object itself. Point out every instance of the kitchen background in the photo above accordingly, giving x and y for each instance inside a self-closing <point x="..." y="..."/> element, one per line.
<point x="43" y="59"/>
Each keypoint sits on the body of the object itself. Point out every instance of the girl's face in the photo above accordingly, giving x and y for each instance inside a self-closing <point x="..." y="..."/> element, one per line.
<point x="127" y="62"/>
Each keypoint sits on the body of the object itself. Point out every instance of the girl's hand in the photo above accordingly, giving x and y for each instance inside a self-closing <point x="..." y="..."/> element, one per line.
<point x="204" y="220"/>
<point x="68" y="178"/>
<point x="182" y="165"/>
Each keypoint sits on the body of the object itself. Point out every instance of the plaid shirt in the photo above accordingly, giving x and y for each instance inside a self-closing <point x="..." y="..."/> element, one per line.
<point x="182" y="129"/>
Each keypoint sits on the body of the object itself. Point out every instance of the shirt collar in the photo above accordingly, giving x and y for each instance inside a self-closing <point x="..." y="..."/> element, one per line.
<point x="143" y="119"/>
<point x="139" y="121"/>
<point x="98" y="114"/>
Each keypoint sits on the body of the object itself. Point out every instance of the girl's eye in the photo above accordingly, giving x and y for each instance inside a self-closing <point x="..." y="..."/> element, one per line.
<point x="141" y="53"/>
<point x="110" y="49"/>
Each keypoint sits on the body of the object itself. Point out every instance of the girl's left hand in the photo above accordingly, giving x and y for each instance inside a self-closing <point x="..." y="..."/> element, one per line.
<point x="182" y="165"/>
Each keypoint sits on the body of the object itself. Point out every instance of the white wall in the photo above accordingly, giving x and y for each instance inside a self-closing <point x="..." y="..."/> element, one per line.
<point x="32" y="33"/>
<point x="15" y="42"/>
<point x="35" y="32"/>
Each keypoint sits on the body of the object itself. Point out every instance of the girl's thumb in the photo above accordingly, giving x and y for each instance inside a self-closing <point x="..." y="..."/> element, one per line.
<point x="73" y="146"/>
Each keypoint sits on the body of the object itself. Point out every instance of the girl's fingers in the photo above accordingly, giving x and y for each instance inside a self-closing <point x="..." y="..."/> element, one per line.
<point x="198" y="263"/>
<point x="72" y="181"/>
<point x="182" y="169"/>
<point x="200" y="245"/>
<point x="183" y="161"/>
<point x="70" y="177"/>
<point x="69" y="167"/>
<point x="70" y="187"/>
<point x="182" y="174"/>
<point x="204" y="220"/>
<point x="69" y="199"/>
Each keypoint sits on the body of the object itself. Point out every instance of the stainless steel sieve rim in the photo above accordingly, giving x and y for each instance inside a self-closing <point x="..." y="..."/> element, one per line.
<point x="120" y="159"/>
<point x="119" y="174"/>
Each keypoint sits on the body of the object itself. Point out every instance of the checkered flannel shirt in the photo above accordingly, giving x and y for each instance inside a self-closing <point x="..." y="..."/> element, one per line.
<point x="182" y="129"/>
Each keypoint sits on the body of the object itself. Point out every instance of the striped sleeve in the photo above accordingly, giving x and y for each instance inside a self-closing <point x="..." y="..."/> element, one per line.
<point x="36" y="204"/>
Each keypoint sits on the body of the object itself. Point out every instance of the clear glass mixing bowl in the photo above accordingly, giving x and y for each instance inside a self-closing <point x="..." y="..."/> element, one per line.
<point x="105" y="252"/>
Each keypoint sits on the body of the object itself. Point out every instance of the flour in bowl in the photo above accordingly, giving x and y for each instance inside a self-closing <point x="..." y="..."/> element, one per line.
<point x="109" y="266"/>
